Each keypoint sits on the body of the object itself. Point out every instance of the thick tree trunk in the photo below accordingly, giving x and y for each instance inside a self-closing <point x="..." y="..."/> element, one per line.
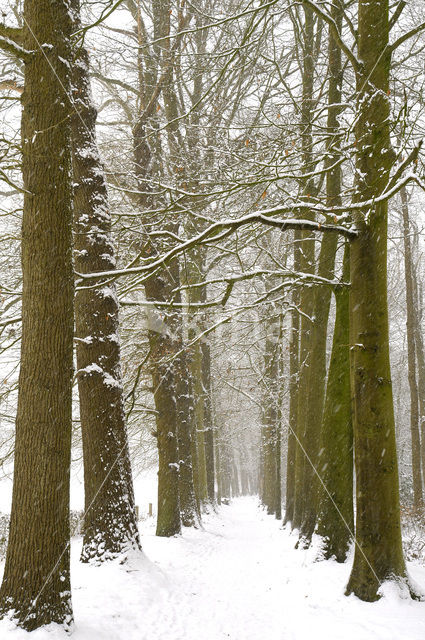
<point x="110" y="524"/>
<point x="36" y="581"/>
<point x="378" y="554"/>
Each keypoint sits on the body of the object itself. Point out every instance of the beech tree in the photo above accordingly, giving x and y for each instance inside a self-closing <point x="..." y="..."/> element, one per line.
<point x="335" y="458"/>
<point x="378" y="551"/>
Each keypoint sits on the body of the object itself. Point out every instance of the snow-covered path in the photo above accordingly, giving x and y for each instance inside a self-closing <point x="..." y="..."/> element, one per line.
<point x="240" y="579"/>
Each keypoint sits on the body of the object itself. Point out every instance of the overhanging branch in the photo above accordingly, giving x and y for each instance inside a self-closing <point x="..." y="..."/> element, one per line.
<point x="226" y="227"/>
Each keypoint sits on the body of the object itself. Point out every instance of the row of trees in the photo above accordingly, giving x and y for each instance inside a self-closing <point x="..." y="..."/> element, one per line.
<point x="231" y="199"/>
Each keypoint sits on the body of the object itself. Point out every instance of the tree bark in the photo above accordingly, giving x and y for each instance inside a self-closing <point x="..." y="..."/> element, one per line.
<point x="193" y="274"/>
<point x="420" y="354"/>
<point x="411" y="357"/>
<point x="335" y="461"/>
<point x="36" y="581"/>
<point x="271" y="479"/>
<point x="163" y="344"/>
<point x="307" y="261"/>
<point x="185" y="421"/>
<point x="294" y="366"/>
<point x="208" y="421"/>
<point x="322" y="297"/>
<point x="110" y="524"/>
<point x="378" y="553"/>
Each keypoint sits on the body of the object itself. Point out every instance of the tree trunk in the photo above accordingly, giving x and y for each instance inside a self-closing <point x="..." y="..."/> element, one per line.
<point x="322" y="298"/>
<point x="185" y="420"/>
<point x="420" y="354"/>
<point x="335" y="461"/>
<point x="193" y="274"/>
<point x="218" y="469"/>
<point x="411" y="357"/>
<point x="316" y="377"/>
<point x="162" y="343"/>
<point x="164" y="340"/>
<point x="271" y="479"/>
<point x="36" y="580"/>
<point x="378" y="553"/>
<point x="208" y="420"/>
<point x="110" y="524"/>
<point x="294" y="365"/>
<point x="307" y="261"/>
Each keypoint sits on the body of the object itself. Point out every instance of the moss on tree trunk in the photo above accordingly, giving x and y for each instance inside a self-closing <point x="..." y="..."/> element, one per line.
<point x="335" y="461"/>
<point x="378" y="553"/>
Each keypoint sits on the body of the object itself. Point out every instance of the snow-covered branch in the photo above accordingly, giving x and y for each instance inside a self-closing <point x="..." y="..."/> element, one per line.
<point x="225" y="227"/>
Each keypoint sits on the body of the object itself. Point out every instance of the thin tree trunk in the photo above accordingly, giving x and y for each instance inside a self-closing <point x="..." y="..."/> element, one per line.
<point x="322" y="298"/>
<point x="307" y="260"/>
<point x="335" y="461"/>
<point x="271" y="424"/>
<point x="208" y="420"/>
<point x="164" y="340"/>
<point x="185" y="421"/>
<point x="411" y="356"/>
<point x="193" y="273"/>
<point x="420" y="353"/>
<point x="218" y="468"/>
<point x="293" y="394"/>
<point x="278" y="462"/>
<point x="316" y="377"/>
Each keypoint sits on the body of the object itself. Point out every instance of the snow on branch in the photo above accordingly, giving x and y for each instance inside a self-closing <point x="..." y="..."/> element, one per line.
<point x="224" y="228"/>
<point x="297" y="278"/>
<point x="11" y="39"/>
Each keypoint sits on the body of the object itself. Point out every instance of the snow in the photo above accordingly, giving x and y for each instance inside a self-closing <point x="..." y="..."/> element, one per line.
<point x="238" y="578"/>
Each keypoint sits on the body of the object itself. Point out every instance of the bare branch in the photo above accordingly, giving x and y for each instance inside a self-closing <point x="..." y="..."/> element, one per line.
<point x="397" y="13"/>
<point x="11" y="85"/>
<point x="406" y="36"/>
<point x="335" y="33"/>
<point x="222" y="229"/>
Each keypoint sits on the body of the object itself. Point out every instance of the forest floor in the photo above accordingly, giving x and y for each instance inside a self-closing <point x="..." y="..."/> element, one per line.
<point x="238" y="578"/>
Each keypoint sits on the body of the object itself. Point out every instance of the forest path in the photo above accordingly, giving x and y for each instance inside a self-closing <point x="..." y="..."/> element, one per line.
<point x="238" y="578"/>
<point x="241" y="579"/>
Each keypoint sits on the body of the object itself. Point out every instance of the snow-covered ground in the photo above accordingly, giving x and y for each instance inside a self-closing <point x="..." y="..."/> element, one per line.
<point x="239" y="578"/>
